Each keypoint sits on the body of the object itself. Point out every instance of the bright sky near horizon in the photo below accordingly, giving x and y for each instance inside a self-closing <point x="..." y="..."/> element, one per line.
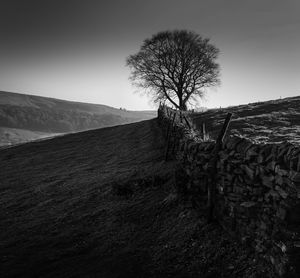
<point x="76" y="50"/>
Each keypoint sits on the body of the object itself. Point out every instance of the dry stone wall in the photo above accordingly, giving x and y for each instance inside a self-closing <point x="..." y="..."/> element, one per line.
<point x="257" y="189"/>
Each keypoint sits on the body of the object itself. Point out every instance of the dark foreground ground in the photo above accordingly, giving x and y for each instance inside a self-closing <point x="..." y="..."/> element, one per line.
<point x="102" y="204"/>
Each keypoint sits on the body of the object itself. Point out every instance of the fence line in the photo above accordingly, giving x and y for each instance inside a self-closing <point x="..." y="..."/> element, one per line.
<point x="251" y="188"/>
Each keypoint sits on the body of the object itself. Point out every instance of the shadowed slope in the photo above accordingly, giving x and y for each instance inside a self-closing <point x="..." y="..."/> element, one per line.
<point x="98" y="204"/>
<point x="56" y="196"/>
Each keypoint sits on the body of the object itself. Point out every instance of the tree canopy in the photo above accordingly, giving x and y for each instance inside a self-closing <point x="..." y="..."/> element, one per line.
<point x="175" y="66"/>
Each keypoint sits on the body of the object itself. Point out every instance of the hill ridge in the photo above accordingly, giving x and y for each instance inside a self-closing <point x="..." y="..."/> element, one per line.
<point x="39" y="116"/>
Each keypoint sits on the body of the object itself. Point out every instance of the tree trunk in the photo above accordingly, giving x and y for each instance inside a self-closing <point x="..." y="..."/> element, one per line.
<point x="182" y="105"/>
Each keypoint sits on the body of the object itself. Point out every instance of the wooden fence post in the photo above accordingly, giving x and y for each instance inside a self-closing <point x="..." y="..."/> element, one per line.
<point x="175" y="137"/>
<point x="170" y="126"/>
<point x="203" y="131"/>
<point x="187" y="122"/>
<point x="212" y="168"/>
<point x="180" y="115"/>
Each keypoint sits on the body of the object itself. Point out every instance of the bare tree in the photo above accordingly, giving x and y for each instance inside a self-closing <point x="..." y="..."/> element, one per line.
<point x="175" y="66"/>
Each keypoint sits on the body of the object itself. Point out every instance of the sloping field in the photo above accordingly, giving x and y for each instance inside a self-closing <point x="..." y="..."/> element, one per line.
<point x="101" y="203"/>
<point x="269" y="121"/>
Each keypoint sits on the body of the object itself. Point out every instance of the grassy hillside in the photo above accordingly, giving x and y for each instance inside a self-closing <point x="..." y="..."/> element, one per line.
<point x="35" y="117"/>
<point x="12" y="136"/>
<point x="101" y="203"/>
<point x="269" y="121"/>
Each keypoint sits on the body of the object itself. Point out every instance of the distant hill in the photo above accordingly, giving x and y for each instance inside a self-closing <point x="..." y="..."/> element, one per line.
<point x="27" y="117"/>
<point x="268" y="121"/>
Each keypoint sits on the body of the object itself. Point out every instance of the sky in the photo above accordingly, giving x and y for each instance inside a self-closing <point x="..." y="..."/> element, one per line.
<point x="77" y="49"/>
